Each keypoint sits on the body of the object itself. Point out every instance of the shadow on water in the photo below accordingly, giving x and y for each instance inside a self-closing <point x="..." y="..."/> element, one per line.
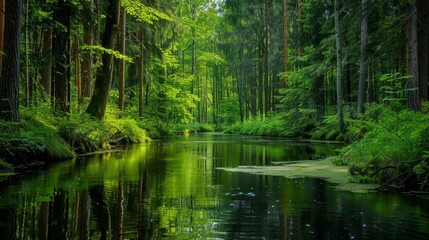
<point x="172" y="190"/>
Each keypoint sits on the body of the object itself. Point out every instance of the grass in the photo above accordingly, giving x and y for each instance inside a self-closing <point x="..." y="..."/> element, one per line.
<point x="193" y="127"/>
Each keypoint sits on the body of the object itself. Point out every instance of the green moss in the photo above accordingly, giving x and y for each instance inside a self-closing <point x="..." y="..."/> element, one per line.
<point x="323" y="169"/>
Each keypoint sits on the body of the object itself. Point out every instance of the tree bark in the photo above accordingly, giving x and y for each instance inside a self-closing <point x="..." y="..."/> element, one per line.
<point x="339" y="67"/>
<point x="46" y="70"/>
<point x="122" y="61"/>
<point x="141" y="75"/>
<point x="413" y="70"/>
<point x="423" y="49"/>
<point x="78" y="76"/>
<point x="88" y="39"/>
<point x="98" y="103"/>
<point x="2" y="10"/>
<point x="266" y="59"/>
<point x="9" y="81"/>
<point x="61" y="52"/>
<point x="363" y="58"/>
<point x="285" y="37"/>
<point x="299" y="17"/>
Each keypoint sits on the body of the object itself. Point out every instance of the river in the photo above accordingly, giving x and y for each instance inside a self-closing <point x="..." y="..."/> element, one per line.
<point x="172" y="189"/>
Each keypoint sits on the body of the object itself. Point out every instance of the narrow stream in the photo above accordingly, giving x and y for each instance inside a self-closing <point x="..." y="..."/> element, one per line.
<point x="172" y="189"/>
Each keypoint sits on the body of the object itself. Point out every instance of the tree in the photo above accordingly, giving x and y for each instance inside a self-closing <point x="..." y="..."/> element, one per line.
<point x="423" y="49"/>
<point x="363" y="57"/>
<point x="1" y="31"/>
<point x="61" y="53"/>
<point x="88" y="39"/>
<point x="285" y="38"/>
<point x="141" y="73"/>
<point x="122" y="61"/>
<point x="98" y="103"/>
<point x="339" y="67"/>
<point x="9" y="80"/>
<point x="413" y="100"/>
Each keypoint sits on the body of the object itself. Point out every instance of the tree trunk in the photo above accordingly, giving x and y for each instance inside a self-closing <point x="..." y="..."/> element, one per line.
<point x="413" y="69"/>
<point x="260" y="82"/>
<point x="423" y="49"/>
<point x="339" y="67"/>
<point x="77" y="69"/>
<point x="28" y="82"/>
<point x="61" y="52"/>
<point x="122" y="61"/>
<point x="98" y="103"/>
<point x="266" y="58"/>
<point x="46" y="70"/>
<point x="363" y="58"/>
<point x="299" y="17"/>
<point x="9" y="80"/>
<point x="141" y="75"/>
<point x="2" y="10"/>
<point x="88" y="39"/>
<point x="285" y="37"/>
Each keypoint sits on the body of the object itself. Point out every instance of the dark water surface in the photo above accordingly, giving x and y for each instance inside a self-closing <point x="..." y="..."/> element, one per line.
<point x="172" y="190"/>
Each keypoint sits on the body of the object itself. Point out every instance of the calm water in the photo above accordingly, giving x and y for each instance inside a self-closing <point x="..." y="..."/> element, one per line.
<point x="172" y="190"/>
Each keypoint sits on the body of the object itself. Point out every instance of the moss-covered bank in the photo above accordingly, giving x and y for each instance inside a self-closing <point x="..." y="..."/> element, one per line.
<point x="43" y="139"/>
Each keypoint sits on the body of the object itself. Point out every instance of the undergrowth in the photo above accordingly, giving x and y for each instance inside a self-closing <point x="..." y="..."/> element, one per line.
<point x="193" y="128"/>
<point x="393" y="151"/>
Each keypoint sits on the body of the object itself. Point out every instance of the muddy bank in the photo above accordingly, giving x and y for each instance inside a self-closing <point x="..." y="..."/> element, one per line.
<point x="323" y="169"/>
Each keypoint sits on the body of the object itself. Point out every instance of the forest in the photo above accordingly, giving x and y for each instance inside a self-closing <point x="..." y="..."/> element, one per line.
<point x="79" y="76"/>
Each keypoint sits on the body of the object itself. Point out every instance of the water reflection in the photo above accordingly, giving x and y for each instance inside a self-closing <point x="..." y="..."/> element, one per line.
<point x="171" y="189"/>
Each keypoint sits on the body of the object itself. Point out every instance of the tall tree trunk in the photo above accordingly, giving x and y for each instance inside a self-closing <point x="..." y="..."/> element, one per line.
<point x="339" y="67"/>
<point x="78" y="72"/>
<point x="46" y="70"/>
<point x="122" y="61"/>
<point x="28" y="82"/>
<point x="285" y="37"/>
<point x="141" y="75"/>
<point x="88" y="39"/>
<point x="254" y="85"/>
<point x="266" y="58"/>
<point x="299" y="17"/>
<point x="423" y="49"/>
<point x="98" y="103"/>
<point x="413" y="68"/>
<point x="61" y="52"/>
<point x="2" y="10"/>
<point x="240" y="96"/>
<point x="9" y="80"/>
<point x="363" y="58"/>
<point x="260" y="81"/>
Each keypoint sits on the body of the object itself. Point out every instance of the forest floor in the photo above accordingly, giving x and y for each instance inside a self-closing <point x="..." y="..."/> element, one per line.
<point x="323" y="169"/>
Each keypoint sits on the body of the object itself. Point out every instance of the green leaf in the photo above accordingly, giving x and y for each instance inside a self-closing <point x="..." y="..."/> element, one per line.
<point x="101" y="49"/>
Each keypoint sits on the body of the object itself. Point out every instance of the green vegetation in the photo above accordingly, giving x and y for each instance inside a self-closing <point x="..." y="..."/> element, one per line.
<point x="103" y="73"/>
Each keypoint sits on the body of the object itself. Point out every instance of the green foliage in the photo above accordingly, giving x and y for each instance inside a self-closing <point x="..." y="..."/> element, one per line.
<point x="273" y="126"/>
<point x="396" y="141"/>
<point x="194" y="128"/>
<point x="329" y="129"/>
<point x="101" y="49"/>
<point x="394" y="87"/>
<point x="144" y="13"/>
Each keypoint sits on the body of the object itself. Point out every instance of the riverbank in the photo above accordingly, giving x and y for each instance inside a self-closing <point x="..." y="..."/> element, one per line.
<point x="38" y="140"/>
<point x="323" y="169"/>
